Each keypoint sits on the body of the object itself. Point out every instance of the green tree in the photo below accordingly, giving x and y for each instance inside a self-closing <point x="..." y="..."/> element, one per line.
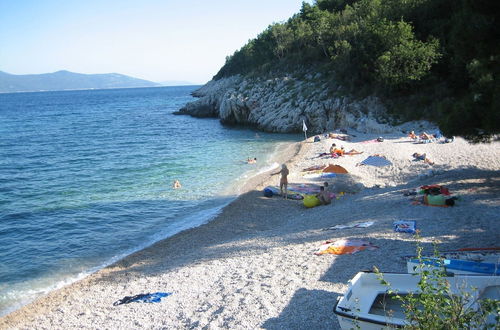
<point x="404" y="58"/>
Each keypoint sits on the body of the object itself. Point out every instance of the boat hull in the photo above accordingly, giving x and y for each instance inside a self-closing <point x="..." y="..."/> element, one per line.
<point x="367" y="304"/>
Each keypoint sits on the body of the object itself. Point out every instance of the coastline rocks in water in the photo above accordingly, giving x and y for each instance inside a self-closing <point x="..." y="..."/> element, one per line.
<point x="281" y="104"/>
<point x="209" y="99"/>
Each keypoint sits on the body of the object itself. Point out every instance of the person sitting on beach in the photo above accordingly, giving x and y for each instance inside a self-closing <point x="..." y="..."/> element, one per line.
<point x="323" y="196"/>
<point x="251" y="160"/>
<point x="412" y="135"/>
<point x="337" y="152"/>
<point x="426" y="136"/>
<point x="176" y="184"/>
<point x="423" y="157"/>
<point x="333" y="147"/>
<point x="283" y="180"/>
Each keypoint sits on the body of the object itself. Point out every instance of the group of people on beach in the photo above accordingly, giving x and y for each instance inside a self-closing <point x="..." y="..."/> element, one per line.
<point x="323" y="195"/>
<point x="336" y="152"/>
<point x="426" y="137"/>
<point x="433" y="195"/>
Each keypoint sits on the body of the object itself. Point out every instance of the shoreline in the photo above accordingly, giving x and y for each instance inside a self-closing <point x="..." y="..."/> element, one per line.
<point x="252" y="183"/>
<point x="253" y="265"/>
<point x="232" y="193"/>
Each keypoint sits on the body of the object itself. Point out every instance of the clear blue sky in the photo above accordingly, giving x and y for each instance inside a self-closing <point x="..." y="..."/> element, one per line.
<point x="150" y="39"/>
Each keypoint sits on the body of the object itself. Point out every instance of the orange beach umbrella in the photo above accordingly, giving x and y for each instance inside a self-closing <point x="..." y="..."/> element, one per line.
<point x="335" y="169"/>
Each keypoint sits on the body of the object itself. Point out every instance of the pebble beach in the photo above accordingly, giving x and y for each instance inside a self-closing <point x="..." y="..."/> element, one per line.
<point x="253" y="266"/>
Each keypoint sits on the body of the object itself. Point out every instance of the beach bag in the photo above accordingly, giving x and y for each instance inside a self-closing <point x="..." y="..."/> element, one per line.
<point x="317" y="139"/>
<point x="268" y="192"/>
<point x="311" y="201"/>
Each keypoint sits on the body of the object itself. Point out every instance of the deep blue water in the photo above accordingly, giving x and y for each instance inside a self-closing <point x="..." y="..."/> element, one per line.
<point x="85" y="178"/>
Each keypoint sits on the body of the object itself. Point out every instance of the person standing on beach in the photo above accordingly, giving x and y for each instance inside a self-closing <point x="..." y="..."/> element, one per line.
<point x="283" y="180"/>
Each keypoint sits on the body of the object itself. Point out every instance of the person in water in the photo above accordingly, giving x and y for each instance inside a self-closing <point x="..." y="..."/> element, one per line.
<point x="176" y="184"/>
<point x="251" y="160"/>
<point x="283" y="180"/>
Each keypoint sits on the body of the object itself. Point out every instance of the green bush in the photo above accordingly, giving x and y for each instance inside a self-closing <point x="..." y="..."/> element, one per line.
<point x="436" y="307"/>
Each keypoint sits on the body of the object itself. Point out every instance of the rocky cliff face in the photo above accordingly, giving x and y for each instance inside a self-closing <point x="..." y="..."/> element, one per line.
<point x="281" y="104"/>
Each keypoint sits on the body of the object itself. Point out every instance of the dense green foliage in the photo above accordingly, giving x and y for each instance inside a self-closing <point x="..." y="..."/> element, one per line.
<point x="431" y="59"/>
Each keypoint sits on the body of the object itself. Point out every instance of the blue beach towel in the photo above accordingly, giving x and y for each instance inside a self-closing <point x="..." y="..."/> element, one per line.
<point x="376" y="161"/>
<point x="405" y="226"/>
<point x="143" y="298"/>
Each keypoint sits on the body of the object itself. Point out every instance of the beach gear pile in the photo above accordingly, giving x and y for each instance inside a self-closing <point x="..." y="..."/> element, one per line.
<point x="295" y="191"/>
<point x="433" y="195"/>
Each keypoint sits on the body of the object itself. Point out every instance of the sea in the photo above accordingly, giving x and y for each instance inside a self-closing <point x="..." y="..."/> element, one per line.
<point x="86" y="179"/>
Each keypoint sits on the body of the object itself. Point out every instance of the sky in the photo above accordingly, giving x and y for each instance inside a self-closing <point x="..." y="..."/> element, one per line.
<point x="184" y="40"/>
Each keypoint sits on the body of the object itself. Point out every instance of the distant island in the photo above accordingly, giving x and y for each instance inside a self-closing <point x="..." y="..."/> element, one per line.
<point x="66" y="80"/>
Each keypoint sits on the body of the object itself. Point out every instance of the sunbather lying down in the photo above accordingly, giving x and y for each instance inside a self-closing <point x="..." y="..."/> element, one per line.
<point x="426" y="136"/>
<point x="423" y="157"/>
<point x="353" y="152"/>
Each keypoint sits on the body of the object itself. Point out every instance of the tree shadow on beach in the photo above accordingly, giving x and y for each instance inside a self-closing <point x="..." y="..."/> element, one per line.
<point x="308" y="309"/>
<point x="253" y="224"/>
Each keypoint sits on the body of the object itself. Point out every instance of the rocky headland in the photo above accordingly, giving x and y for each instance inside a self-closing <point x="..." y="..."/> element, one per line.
<point x="280" y="104"/>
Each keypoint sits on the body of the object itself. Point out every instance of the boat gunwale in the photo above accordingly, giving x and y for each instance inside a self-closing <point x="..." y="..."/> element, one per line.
<point x="363" y="319"/>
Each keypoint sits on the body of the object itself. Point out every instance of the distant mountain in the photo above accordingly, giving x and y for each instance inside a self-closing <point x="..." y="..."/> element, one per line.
<point x="65" y="80"/>
<point x="176" y="83"/>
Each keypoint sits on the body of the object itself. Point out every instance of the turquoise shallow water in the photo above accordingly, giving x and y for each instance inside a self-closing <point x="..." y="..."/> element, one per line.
<point x="85" y="178"/>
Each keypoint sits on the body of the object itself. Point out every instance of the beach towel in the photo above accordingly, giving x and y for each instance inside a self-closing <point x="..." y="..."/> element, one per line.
<point x="143" y="298"/>
<point x="291" y="194"/>
<point x="405" y="226"/>
<point x="376" y="161"/>
<point x="314" y="168"/>
<point x="352" y="225"/>
<point x="320" y="175"/>
<point x="418" y="202"/>
<point x="306" y="188"/>
<point x="335" y="169"/>
<point x="344" y="246"/>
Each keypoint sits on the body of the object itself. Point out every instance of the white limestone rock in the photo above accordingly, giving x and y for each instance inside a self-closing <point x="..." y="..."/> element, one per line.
<point x="280" y="105"/>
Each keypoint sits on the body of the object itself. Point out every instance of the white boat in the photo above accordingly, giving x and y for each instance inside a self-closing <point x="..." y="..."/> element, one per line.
<point x="366" y="303"/>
